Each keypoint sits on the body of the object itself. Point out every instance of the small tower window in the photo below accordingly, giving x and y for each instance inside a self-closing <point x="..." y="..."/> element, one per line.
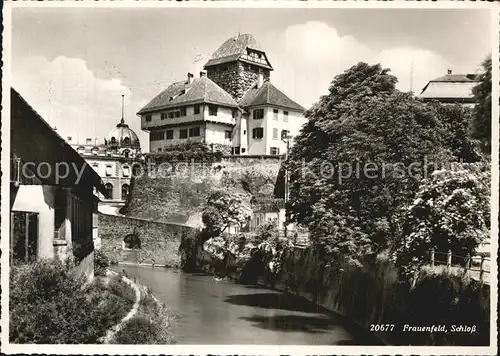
<point x="126" y="141"/>
<point x="113" y="139"/>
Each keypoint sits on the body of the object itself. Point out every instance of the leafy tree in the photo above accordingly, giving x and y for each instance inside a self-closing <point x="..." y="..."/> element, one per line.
<point x="450" y="212"/>
<point x="223" y="210"/>
<point x="359" y="160"/>
<point x="481" y="124"/>
<point x="456" y="120"/>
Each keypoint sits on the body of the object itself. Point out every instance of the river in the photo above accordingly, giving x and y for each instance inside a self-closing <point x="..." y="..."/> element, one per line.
<point x="225" y="312"/>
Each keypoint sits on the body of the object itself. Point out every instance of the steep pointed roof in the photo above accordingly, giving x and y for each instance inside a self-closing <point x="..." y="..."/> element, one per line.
<point x="268" y="94"/>
<point x="200" y="90"/>
<point x="233" y="49"/>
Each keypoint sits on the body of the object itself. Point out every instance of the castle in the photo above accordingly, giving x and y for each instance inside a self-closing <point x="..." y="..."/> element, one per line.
<point x="232" y="106"/>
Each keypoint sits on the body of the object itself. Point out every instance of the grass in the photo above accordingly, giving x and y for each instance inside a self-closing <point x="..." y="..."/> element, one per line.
<point x="150" y="326"/>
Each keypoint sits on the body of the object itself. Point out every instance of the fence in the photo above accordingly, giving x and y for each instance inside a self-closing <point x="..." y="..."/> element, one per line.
<point x="467" y="263"/>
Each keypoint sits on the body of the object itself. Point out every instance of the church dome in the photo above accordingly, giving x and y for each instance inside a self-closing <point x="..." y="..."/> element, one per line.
<point x="122" y="136"/>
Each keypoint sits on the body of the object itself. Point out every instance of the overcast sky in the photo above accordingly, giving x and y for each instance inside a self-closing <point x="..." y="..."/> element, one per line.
<point x="73" y="65"/>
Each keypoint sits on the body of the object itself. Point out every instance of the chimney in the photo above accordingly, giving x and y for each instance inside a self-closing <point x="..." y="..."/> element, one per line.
<point x="203" y="74"/>
<point x="449" y="71"/>
<point x="260" y="80"/>
<point x="190" y="78"/>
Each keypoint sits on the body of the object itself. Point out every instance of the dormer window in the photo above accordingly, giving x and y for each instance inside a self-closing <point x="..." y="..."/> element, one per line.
<point x="95" y="151"/>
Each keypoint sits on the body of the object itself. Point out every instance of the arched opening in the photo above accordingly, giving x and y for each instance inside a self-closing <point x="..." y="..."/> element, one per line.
<point x="113" y="140"/>
<point x="125" y="191"/>
<point x="131" y="242"/>
<point x="109" y="190"/>
<point x="126" y="153"/>
<point x="126" y="141"/>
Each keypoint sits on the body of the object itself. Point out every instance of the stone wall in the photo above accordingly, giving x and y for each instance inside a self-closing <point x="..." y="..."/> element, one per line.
<point x="235" y="78"/>
<point x="159" y="241"/>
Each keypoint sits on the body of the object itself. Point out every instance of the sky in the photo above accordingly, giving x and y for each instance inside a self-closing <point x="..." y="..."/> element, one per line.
<point x="73" y="64"/>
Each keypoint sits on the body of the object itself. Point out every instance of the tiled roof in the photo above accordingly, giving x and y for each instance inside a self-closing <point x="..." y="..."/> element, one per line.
<point x="233" y="48"/>
<point x="268" y="94"/>
<point x="448" y="90"/>
<point x="201" y="90"/>
<point x="450" y="86"/>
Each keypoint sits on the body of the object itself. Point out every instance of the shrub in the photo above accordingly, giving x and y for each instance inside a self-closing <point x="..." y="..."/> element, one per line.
<point x="101" y="263"/>
<point x="50" y="304"/>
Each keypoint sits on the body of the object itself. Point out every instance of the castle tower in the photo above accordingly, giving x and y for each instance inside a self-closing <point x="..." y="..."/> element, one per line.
<point x="238" y="64"/>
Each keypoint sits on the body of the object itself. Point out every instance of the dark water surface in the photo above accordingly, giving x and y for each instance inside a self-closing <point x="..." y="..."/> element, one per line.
<point x="228" y="313"/>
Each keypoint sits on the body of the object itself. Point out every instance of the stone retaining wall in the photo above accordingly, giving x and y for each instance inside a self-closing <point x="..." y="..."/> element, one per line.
<point x="159" y="241"/>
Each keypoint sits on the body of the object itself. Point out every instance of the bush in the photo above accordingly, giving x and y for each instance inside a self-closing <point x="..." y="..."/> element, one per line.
<point x="101" y="263"/>
<point x="49" y="304"/>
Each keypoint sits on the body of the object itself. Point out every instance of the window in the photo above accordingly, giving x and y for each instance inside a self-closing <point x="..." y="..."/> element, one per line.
<point x="125" y="191"/>
<point x="275" y="134"/>
<point x="126" y="171"/>
<point x="258" y="114"/>
<point x="108" y="153"/>
<point x="159" y="149"/>
<point x="171" y="115"/>
<point x="284" y="134"/>
<point x="212" y="110"/>
<point x="275" y="151"/>
<point x="126" y="153"/>
<point x="228" y="134"/>
<point x="285" y="116"/>
<point x="258" y="132"/>
<point x="183" y="111"/>
<point x="148" y="118"/>
<point x="96" y="167"/>
<point x="197" y="109"/>
<point x="170" y="134"/>
<point x="194" y="131"/>
<point x="275" y="114"/>
<point x="183" y="133"/>
<point x="109" y="190"/>
<point x="113" y="140"/>
<point x="157" y="135"/>
<point x="126" y="141"/>
<point x="243" y="150"/>
<point x="244" y="132"/>
<point x="95" y="151"/>
<point x="109" y="170"/>
<point x="163" y="116"/>
<point x="236" y="150"/>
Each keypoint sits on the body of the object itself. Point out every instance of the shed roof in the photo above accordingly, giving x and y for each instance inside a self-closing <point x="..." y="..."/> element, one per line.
<point x="35" y="141"/>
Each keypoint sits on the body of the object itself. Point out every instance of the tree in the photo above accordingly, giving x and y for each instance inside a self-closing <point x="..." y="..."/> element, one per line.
<point x="481" y="124"/>
<point x="359" y="160"/>
<point x="450" y="212"/>
<point x="223" y="210"/>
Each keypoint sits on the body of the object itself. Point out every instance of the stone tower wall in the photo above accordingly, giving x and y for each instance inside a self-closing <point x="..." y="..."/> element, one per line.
<point x="235" y="78"/>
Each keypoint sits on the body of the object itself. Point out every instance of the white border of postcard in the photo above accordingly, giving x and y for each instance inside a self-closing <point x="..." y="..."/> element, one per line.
<point x="245" y="349"/>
